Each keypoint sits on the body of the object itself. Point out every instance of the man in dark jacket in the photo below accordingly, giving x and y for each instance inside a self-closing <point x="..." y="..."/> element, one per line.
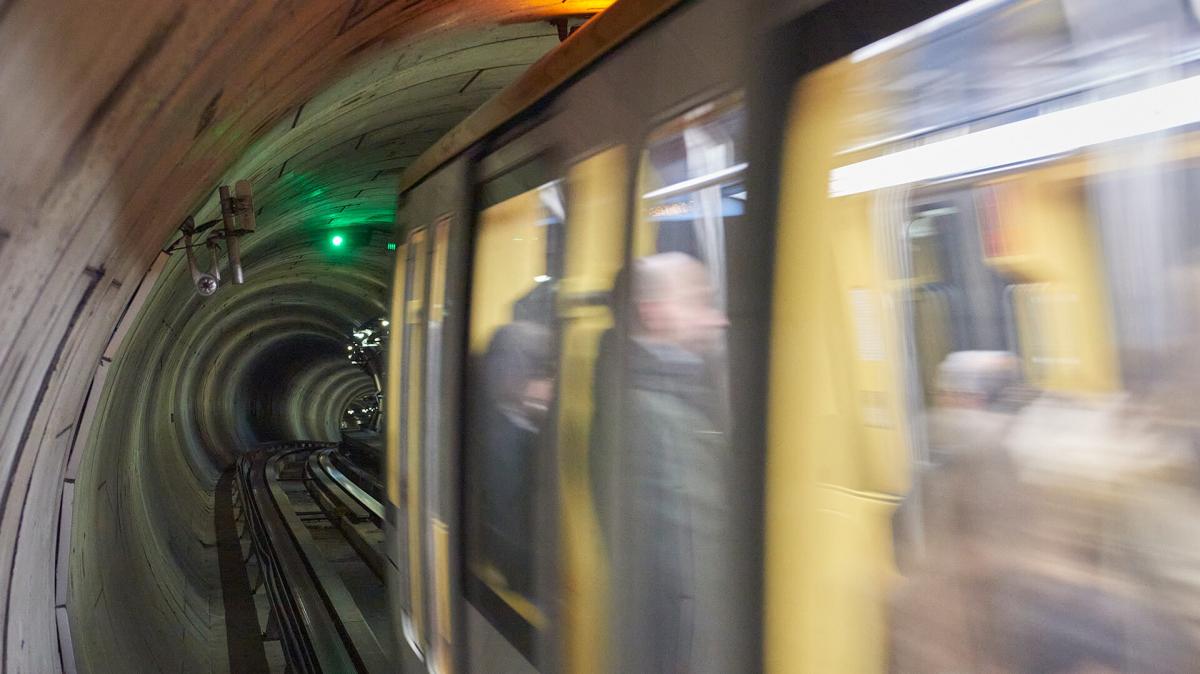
<point x="675" y="566"/>
<point x="518" y="375"/>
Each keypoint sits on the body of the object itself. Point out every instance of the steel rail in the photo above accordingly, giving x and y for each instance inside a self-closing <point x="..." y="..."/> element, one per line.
<point x="312" y="613"/>
<point x="355" y="512"/>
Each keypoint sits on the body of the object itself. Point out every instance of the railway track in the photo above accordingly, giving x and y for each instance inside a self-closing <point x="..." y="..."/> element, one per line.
<point x="315" y="540"/>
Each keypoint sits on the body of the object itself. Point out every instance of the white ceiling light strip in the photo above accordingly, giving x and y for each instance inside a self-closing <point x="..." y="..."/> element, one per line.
<point x="694" y="184"/>
<point x="1167" y="106"/>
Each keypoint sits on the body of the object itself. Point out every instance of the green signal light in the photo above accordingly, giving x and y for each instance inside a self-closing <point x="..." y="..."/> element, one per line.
<point x="337" y="240"/>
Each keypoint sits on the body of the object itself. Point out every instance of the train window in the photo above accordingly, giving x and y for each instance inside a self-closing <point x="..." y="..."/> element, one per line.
<point x="436" y="467"/>
<point x="511" y="373"/>
<point x="393" y="395"/>
<point x="673" y="522"/>
<point x="692" y="186"/>
<point x="1013" y="244"/>
<point x="414" y="378"/>
<point x="394" y="466"/>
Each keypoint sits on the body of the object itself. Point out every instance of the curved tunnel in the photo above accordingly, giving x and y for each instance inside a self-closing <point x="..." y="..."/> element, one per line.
<point x="123" y="394"/>
<point x="196" y="381"/>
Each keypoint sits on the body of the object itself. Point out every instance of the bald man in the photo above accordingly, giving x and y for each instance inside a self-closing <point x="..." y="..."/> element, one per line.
<point x="675" y="567"/>
<point x="675" y="304"/>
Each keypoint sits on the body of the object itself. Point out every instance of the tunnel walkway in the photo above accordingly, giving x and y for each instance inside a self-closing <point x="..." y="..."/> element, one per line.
<point x="243" y="633"/>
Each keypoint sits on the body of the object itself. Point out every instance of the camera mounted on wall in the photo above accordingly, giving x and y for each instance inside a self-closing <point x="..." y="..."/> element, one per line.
<point x="237" y="220"/>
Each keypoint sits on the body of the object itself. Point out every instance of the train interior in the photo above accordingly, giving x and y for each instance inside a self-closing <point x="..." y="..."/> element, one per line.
<point x="964" y="212"/>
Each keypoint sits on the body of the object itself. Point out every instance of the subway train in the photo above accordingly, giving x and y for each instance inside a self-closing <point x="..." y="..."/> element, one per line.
<point x="845" y="336"/>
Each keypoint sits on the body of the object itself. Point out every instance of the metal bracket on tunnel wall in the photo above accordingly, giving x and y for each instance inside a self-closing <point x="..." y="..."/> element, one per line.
<point x="237" y="220"/>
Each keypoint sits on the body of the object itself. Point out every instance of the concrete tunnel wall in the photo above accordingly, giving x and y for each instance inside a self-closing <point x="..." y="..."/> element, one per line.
<point x="143" y="571"/>
<point x="120" y="119"/>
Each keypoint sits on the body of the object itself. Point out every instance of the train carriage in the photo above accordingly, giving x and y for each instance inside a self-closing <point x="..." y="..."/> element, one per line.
<point x="863" y="196"/>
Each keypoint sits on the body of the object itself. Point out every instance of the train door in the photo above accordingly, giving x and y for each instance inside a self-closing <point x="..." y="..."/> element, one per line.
<point x="509" y="486"/>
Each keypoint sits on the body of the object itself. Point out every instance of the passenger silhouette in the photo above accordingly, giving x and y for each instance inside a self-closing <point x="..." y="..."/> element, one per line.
<point x="675" y="466"/>
<point x="518" y="382"/>
<point x="1028" y="566"/>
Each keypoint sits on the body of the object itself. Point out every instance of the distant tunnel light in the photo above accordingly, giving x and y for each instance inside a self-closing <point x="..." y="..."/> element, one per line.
<point x="337" y="240"/>
<point x="1159" y="108"/>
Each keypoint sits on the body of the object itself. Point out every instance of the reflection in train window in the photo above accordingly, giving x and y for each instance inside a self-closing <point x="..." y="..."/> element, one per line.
<point x="511" y="383"/>
<point x="413" y="385"/>
<point x="674" y="519"/>
<point x="1032" y="394"/>
<point x="693" y="186"/>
